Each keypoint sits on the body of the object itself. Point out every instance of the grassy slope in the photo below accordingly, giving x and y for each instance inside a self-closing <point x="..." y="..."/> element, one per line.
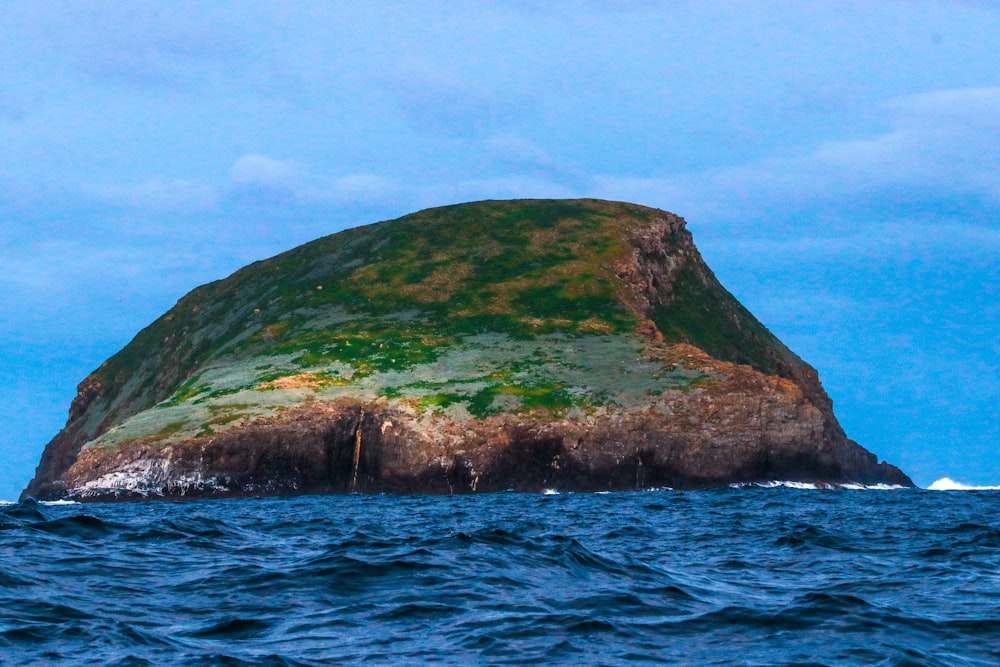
<point x="474" y="309"/>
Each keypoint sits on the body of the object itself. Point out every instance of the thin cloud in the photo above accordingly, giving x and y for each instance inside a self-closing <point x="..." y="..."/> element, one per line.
<point x="513" y="155"/>
<point x="298" y="184"/>
<point x="977" y="106"/>
<point x="358" y="188"/>
<point x="886" y="239"/>
<point x="151" y="45"/>
<point x="438" y="103"/>
<point x="253" y="170"/>
<point x="947" y="139"/>
<point x="573" y="7"/>
<point x="518" y="152"/>
<point x="939" y="144"/>
<point x="180" y="196"/>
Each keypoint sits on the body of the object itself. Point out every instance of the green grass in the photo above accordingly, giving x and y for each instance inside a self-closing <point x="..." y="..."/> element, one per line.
<point x="378" y="308"/>
<point x="706" y="315"/>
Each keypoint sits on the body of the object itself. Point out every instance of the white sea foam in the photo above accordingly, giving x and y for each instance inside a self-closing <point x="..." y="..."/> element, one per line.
<point x="773" y="484"/>
<point x="50" y="503"/>
<point x="797" y="485"/>
<point x="948" y="484"/>
<point x="550" y="492"/>
<point x="148" y="477"/>
<point x="811" y="486"/>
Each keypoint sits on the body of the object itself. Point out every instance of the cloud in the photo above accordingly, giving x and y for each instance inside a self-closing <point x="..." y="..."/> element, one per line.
<point x="573" y="7"/>
<point x="149" y="45"/>
<point x="977" y="106"/>
<point x="941" y="152"/>
<point x="946" y="139"/>
<point x="518" y="152"/>
<point x="178" y="195"/>
<point x="886" y="239"/>
<point x="351" y="188"/>
<point x="674" y="193"/>
<point x="141" y="44"/>
<point x="438" y="102"/>
<point x="512" y="186"/>
<point x="50" y="266"/>
<point x="59" y="283"/>
<point x="518" y="157"/>
<point x="254" y="170"/>
<point x="294" y="183"/>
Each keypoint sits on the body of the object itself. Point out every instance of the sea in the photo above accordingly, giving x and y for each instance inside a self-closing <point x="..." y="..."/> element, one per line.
<point x="772" y="574"/>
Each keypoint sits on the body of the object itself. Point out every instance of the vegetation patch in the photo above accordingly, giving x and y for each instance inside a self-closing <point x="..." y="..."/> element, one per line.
<point x="703" y="313"/>
<point x="491" y="306"/>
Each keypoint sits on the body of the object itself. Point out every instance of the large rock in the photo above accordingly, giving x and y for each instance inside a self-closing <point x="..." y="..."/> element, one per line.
<point x="580" y="345"/>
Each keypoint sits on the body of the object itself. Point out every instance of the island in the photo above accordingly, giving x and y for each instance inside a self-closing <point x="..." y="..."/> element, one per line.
<point x="525" y="345"/>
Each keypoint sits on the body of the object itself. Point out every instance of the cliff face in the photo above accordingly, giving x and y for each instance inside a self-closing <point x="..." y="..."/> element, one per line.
<point x="523" y="344"/>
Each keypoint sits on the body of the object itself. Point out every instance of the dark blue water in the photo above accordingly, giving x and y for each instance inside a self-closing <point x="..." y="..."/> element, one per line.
<point x="737" y="576"/>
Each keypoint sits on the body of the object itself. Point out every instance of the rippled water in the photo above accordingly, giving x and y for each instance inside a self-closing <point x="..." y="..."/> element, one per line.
<point x="735" y="576"/>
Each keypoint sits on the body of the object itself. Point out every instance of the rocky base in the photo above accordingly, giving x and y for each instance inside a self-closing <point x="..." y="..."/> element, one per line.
<point x="749" y="428"/>
<point x="316" y="451"/>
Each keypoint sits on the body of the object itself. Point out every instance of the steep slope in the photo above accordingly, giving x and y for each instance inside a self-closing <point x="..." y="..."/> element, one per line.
<point x="474" y="347"/>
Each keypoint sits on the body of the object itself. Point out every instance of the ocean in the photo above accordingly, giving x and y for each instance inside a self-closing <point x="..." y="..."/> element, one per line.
<point x="735" y="576"/>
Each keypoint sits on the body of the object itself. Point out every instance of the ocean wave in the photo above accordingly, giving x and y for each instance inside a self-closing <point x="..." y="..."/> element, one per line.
<point x="948" y="484"/>
<point x="475" y="579"/>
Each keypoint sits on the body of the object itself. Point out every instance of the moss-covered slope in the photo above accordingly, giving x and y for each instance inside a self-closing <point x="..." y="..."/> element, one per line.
<point x="546" y="309"/>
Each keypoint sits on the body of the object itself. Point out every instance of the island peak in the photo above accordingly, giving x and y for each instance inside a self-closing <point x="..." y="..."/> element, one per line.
<point x="524" y="344"/>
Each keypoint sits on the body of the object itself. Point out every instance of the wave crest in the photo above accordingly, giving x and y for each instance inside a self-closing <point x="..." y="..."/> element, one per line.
<point x="948" y="484"/>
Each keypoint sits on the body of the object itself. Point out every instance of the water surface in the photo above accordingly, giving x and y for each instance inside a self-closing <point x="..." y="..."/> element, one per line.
<point x="755" y="576"/>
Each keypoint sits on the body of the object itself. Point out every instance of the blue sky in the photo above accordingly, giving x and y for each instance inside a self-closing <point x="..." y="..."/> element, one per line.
<point x="838" y="163"/>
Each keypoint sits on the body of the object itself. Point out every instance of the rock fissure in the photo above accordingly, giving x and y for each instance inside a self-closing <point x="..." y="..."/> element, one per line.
<point x="357" y="452"/>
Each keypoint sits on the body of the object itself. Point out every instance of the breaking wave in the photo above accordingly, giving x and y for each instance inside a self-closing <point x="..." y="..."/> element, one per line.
<point x="948" y="484"/>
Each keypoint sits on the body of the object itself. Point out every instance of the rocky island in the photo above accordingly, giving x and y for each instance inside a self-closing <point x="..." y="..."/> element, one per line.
<point x="529" y="344"/>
